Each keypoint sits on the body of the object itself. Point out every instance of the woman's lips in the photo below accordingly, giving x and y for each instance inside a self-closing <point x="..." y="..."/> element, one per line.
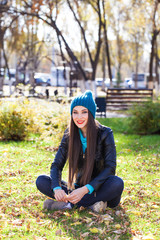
<point x="81" y="122"/>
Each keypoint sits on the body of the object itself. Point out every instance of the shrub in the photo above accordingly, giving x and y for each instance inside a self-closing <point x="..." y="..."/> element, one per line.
<point x="55" y="126"/>
<point x="33" y="116"/>
<point x="145" y="118"/>
<point x="12" y="123"/>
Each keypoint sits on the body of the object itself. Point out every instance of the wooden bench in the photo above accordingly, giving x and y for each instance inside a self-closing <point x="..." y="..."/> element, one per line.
<point x="123" y="99"/>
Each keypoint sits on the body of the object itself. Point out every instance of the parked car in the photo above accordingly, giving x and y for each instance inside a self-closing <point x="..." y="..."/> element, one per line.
<point x="128" y="83"/>
<point x="99" y="82"/>
<point x="40" y="81"/>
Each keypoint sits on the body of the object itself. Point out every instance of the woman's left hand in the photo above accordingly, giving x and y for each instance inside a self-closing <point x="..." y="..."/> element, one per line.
<point x="77" y="194"/>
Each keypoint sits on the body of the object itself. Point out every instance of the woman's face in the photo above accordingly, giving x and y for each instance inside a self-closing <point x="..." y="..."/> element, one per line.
<point x="80" y="117"/>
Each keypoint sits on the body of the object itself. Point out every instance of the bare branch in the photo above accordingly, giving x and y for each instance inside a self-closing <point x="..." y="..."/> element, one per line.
<point x="82" y="31"/>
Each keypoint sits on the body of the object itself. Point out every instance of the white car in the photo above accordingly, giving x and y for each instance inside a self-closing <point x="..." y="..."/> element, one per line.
<point x="99" y="82"/>
<point x="128" y="83"/>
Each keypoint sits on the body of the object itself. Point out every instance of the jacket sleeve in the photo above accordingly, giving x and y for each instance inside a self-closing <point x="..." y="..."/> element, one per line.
<point x="59" y="162"/>
<point x="109" y="153"/>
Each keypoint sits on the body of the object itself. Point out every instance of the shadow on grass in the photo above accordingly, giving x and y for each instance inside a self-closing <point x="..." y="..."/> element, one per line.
<point x="84" y="224"/>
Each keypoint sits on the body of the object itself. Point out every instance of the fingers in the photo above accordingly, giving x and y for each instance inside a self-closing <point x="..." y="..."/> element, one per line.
<point x="74" y="201"/>
<point x="74" y="197"/>
<point x="60" y="195"/>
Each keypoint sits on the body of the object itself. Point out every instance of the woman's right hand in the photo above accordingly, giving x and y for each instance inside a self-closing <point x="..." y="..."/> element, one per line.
<point x="60" y="195"/>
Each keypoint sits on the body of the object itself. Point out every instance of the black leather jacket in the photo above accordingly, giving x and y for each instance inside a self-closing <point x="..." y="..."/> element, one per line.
<point x="105" y="159"/>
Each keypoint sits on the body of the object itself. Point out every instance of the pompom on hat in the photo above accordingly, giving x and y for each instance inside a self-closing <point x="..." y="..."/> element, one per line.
<point x="86" y="100"/>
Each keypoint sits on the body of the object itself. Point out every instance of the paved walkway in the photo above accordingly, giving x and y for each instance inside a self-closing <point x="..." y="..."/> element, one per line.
<point x="113" y="114"/>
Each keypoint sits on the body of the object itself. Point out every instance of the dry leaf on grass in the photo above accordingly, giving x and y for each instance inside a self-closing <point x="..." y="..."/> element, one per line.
<point x="94" y="230"/>
<point x="58" y="232"/>
<point x="107" y="217"/>
<point x="86" y="234"/>
<point x="148" y="237"/>
<point x="75" y="223"/>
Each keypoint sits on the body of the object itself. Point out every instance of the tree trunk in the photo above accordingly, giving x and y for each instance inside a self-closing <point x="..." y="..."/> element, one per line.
<point x="157" y="78"/>
<point x="103" y="65"/>
<point x="1" y="74"/>
<point x="136" y="72"/>
<point x="107" y="45"/>
<point x="108" y="57"/>
<point x="150" y="80"/>
<point x="153" y="43"/>
<point x="64" y="65"/>
<point x="9" y="75"/>
<point x="94" y="61"/>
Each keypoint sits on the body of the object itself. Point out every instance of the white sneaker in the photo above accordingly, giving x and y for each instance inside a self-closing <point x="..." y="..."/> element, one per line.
<point x="52" y="204"/>
<point x="98" y="206"/>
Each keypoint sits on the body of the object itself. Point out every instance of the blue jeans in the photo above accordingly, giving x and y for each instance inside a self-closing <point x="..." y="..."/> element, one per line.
<point x="110" y="191"/>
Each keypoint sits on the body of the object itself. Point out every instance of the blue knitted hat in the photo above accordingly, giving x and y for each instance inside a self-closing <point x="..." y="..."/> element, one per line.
<point x="86" y="100"/>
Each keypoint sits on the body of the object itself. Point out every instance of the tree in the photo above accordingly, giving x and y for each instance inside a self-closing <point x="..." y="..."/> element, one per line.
<point x="25" y="44"/>
<point x="154" y="43"/>
<point x="135" y="26"/>
<point x="6" y="22"/>
<point x="116" y="19"/>
<point x="106" y="41"/>
<point x="97" y="9"/>
<point x="49" y="15"/>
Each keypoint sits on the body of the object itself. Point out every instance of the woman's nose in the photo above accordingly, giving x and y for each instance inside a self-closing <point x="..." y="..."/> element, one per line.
<point x="79" y="115"/>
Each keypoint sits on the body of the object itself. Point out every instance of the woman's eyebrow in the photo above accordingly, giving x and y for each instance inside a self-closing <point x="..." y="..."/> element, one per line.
<point x="83" y="110"/>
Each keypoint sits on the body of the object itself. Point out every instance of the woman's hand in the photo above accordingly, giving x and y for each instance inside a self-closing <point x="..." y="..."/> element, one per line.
<point x="60" y="195"/>
<point x="77" y="194"/>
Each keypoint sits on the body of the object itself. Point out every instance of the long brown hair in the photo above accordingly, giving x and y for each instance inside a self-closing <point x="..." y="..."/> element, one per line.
<point x="75" y="147"/>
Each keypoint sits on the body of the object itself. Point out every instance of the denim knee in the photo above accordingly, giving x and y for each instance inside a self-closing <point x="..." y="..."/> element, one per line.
<point x="120" y="184"/>
<point x="39" y="181"/>
<point x="117" y="184"/>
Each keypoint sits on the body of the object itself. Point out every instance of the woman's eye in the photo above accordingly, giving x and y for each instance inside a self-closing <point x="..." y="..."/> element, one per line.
<point x="84" y="112"/>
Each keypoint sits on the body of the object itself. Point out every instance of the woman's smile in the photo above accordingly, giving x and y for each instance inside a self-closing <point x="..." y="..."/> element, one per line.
<point x="80" y="122"/>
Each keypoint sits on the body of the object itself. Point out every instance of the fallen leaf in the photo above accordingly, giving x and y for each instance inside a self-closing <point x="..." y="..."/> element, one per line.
<point x="118" y="231"/>
<point x="58" y="232"/>
<point x="67" y="214"/>
<point x="75" y="223"/>
<point x="148" y="237"/>
<point x="107" y="217"/>
<point x="38" y="219"/>
<point x="86" y="234"/>
<point x="94" y="230"/>
<point x="107" y="222"/>
<point x="17" y="222"/>
<point x="91" y="223"/>
<point x="136" y="213"/>
<point x="155" y="206"/>
<point x="28" y="226"/>
<point x="118" y="226"/>
<point x="87" y="220"/>
<point x="126" y="224"/>
<point x="118" y="213"/>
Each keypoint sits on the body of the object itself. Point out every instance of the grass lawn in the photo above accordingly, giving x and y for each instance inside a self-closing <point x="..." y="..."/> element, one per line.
<point x="137" y="217"/>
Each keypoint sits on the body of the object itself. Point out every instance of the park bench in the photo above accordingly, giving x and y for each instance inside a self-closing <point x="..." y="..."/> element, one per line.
<point x="123" y="99"/>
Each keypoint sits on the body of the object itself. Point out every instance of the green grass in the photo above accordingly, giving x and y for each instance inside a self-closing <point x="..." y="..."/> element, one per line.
<point x="21" y="213"/>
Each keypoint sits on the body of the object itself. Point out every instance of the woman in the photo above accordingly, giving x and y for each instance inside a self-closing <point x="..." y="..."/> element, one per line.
<point x="90" y="150"/>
